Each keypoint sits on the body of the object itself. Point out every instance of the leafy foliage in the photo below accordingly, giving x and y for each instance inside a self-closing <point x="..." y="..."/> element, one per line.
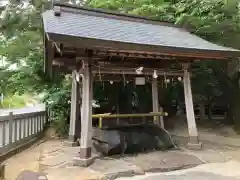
<point x="58" y="100"/>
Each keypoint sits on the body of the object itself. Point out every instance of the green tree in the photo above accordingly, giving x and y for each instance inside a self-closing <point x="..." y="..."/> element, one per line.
<point x="217" y="21"/>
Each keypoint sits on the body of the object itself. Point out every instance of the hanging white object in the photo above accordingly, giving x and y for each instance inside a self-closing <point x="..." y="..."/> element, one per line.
<point x="167" y="80"/>
<point x="139" y="70"/>
<point x="77" y="77"/>
<point x="179" y="78"/>
<point x="140" y="80"/>
<point x="111" y="82"/>
<point x="155" y="74"/>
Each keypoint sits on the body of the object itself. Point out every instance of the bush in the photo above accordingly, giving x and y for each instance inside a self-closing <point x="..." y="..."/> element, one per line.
<point x="57" y="100"/>
<point x="13" y="101"/>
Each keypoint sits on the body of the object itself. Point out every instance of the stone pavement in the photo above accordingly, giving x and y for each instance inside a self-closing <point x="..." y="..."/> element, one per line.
<point x="54" y="159"/>
<point x="57" y="163"/>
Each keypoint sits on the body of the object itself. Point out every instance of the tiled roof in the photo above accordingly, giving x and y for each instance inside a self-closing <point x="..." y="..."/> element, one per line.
<point x="96" y="25"/>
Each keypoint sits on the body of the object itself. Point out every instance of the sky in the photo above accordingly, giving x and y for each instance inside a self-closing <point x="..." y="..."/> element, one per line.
<point x="3" y="2"/>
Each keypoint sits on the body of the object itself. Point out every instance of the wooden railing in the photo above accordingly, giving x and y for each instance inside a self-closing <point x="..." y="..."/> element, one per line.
<point x="18" y="129"/>
<point x="108" y="116"/>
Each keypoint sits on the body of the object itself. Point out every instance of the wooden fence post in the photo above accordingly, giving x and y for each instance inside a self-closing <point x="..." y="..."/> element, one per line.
<point x="10" y="128"/>
<point x="3" y="134"/>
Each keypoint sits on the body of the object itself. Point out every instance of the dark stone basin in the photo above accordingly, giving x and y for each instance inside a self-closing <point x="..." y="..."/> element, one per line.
<point x="131" y="139"/>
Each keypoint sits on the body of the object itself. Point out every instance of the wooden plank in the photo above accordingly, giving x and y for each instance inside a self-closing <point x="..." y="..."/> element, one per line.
<point x="35" y="125"/>
<point x="38" y="120"/>
<point x="32" y="125"/>
<point x="42" y="122"/>
<point x="10" y="128"/>
<point x="24" y="128"/>
<point x="20" y="129"/>
<point x="28" y="127"/>
<point x="15" y="130"/>
<point x="3" y="133"/>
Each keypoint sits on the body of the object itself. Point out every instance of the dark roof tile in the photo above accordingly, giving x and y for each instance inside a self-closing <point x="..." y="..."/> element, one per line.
<point x="82" y="24"/>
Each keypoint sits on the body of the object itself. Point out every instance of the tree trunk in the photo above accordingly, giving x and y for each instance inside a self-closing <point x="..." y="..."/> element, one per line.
<point x="230" y="87"/>
<point x="235" y="110"/>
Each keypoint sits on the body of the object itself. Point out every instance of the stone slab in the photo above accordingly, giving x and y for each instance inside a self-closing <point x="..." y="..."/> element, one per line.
<point x="31" y="175"/>
<point x="73" y="173"/>
<point x="163" y="161"/>
<point x="113" y="168"/>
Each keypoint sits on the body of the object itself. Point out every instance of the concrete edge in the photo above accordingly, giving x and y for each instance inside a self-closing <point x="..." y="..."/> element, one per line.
<point x="206" y="141"/>
<point x="157" y="170"/>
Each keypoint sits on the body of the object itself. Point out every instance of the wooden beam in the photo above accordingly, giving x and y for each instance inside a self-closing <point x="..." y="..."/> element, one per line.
<point x="134" y="55"/>
<point x="125" y="71"/>
<point x="97" y="44"/>
<point x="133" y="72"/>
<point x="49" y="54"/>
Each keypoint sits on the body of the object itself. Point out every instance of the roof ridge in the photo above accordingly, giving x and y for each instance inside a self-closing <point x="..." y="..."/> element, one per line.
<point x="115" y="13"/>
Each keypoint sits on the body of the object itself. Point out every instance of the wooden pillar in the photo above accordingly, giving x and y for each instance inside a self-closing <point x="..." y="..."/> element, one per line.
<point x="192" y="127"/>
<point x="75" y="123"/>
<point x="85" y="157"/>
<point x="155" y="104"/>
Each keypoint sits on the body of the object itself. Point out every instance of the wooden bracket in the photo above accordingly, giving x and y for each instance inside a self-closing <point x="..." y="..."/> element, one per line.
<point x="185" y="66"/>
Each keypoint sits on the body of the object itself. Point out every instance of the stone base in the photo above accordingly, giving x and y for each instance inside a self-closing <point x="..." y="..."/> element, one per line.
<point x="195" y="146"/>
<point x="77" y="161"/>
<point x="71" y="143"/>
